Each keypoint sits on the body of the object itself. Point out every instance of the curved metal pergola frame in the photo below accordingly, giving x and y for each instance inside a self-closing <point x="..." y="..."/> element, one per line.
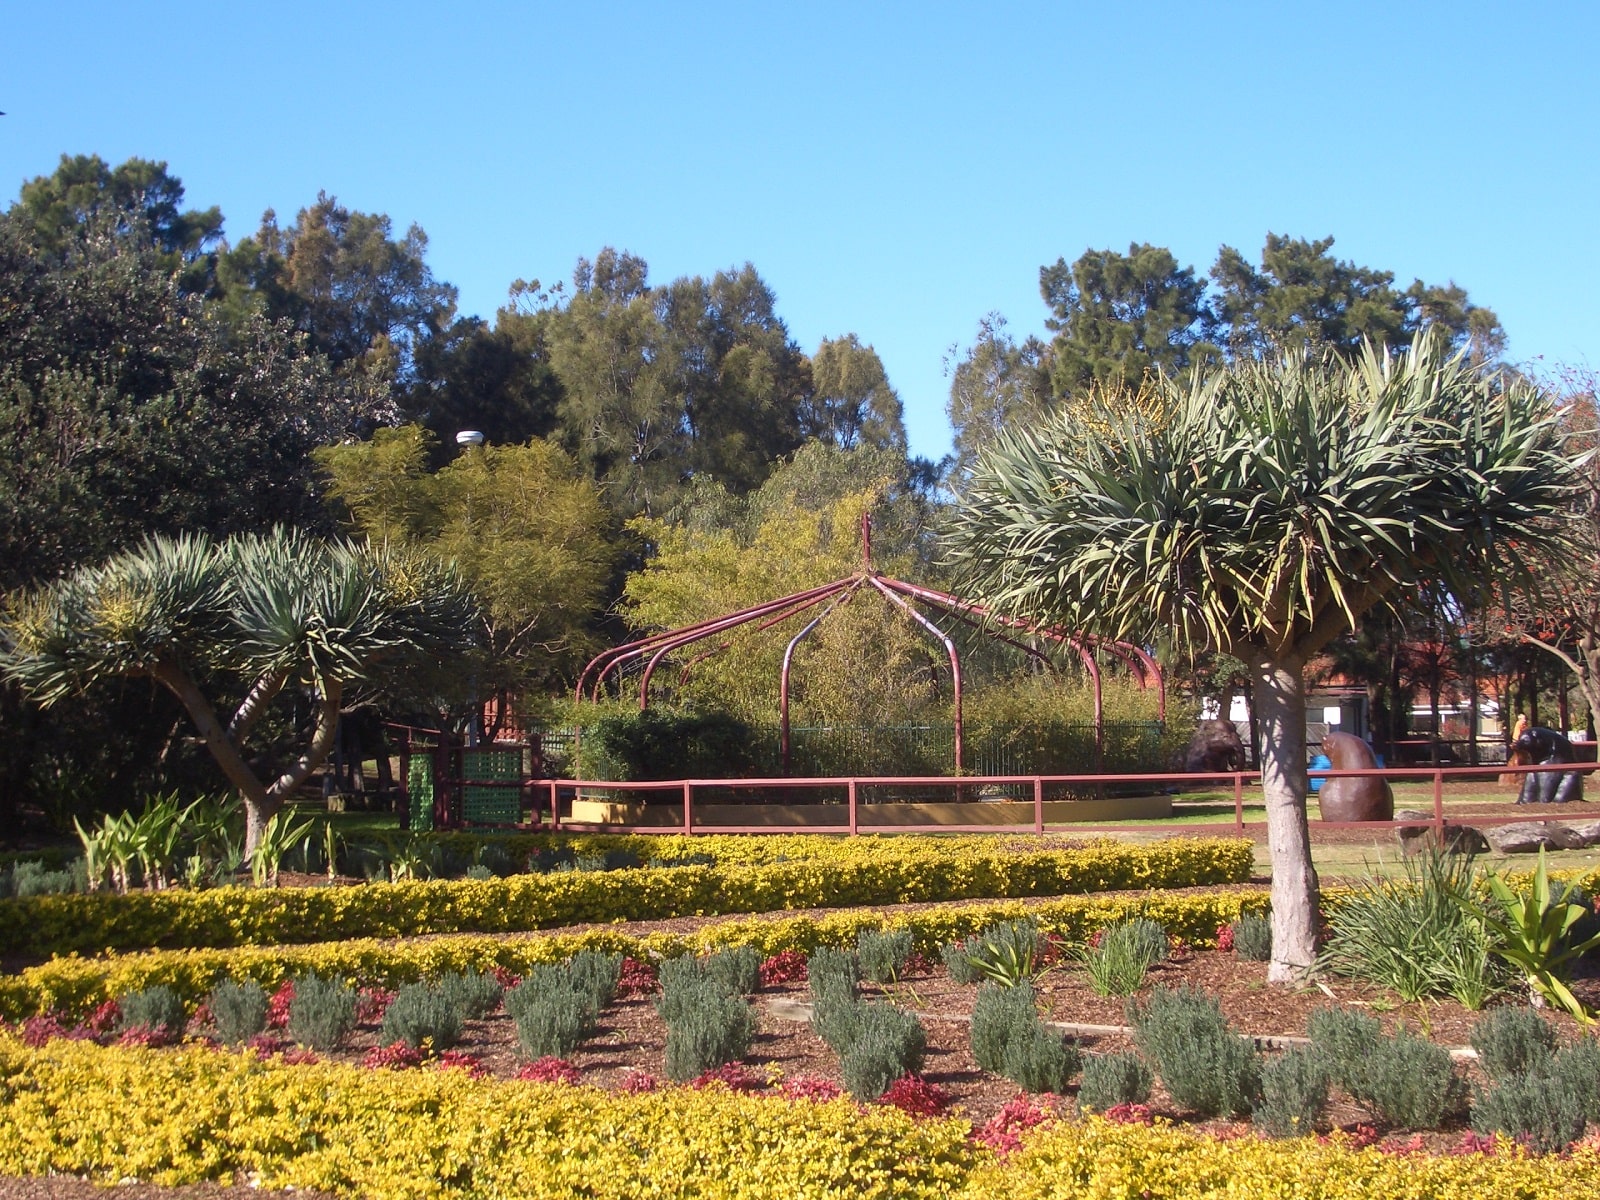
<point x="911" y="600"/>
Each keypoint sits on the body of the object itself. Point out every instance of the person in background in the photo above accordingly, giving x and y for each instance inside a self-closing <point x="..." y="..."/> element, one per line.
<point x="1516" y="757"/>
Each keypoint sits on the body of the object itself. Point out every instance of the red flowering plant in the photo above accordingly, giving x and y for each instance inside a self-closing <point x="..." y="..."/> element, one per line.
<point x="913" y="1094"/>
<point x="787" y="967"/>
<point x="549" y="1069"/>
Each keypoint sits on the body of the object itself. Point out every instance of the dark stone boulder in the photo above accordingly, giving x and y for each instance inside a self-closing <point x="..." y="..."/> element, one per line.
<point x="1458" y="839"/>
<point x="1354" y="799"/>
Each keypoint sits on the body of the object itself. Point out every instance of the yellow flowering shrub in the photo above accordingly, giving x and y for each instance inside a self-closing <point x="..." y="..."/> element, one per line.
<point x="75" y="985"/>
<point x="1099" y="1160"/>
<point x="195" y="1114"/>
<point x="831" y="872"/>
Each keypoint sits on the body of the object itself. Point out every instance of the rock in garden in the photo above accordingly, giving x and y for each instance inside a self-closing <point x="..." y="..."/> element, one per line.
<point x="1458" y="839"/>
<point x="1529" y="837"/>
<point x="1215" y="746"/>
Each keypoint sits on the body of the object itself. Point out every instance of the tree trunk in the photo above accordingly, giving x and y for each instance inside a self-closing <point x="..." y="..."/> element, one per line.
<point x="1278" y="688"/>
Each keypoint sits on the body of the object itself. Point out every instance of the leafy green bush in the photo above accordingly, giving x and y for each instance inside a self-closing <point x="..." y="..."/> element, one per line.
<point x="1113" y="1079"/>
<point x="1534" y="1108"/>
<point x="156" y="1009"/>
<point x="1126" y="952"/>
<point x="1512" y="1041"/>
<point x="883" y="953"/>
<point x="836" y="1013"/>
<point x="1420" y="936"/>
<point x="736" y="970"/>
<point x="1294" y="1091"/>
<point x="423" y="1012"/>
<point x="1252" y="937"/>
<point x="239" y="1010"/>
<point x="32" y="878"/>
<point x="706" y="1028"/>
<point x="322" y="1012"/>
<point x="1007" y="952"/>
<point x="1204" y="1065"/>
<point x="1577" y="1070"/>
<point x="659" y="744"/>
<point x="886" y="1043"/>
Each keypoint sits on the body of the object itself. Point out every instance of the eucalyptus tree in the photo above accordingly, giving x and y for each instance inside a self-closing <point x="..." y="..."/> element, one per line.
<point x="1260" y="510"/>
<point x="245" y="619"/>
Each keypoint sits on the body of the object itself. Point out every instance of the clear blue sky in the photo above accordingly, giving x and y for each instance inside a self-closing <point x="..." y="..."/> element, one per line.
<point x="896" y="170"/>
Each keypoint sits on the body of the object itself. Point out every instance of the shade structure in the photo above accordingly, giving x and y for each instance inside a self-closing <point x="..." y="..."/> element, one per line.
<point x="923" y="606"/>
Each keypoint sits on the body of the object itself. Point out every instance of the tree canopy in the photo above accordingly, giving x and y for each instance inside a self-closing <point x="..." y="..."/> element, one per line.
<point x="244" y="619"/>
<point x="1261" y="509"/>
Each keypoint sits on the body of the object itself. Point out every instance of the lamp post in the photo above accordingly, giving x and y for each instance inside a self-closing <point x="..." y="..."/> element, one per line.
<point x="472" y="439"/>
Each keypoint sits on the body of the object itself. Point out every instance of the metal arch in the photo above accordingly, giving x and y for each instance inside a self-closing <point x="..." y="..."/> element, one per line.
<point x="788" y="659"/>
<point x="950" y="649"/>
<point x="687" y="640"/>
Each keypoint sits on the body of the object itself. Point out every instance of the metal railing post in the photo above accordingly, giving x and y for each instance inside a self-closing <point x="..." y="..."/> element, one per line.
<point x="555" y="806"/>
<point x="853" y="801"/>
<point x="1038" y="804"/>
<point x="688" y="807"/>
<point x="1438" y="805"/>
<point x="1238" y="803"/>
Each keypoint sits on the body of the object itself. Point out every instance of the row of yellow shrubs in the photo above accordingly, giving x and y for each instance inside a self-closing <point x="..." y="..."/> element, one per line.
<point x="823" y="873"/>
<point x="76" y="985"/>
<point x="171" y="1117"/>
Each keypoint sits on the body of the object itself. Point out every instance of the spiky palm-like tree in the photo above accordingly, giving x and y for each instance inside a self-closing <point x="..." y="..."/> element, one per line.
<point x="258" y="612"/>
<point x="1261" y="509"/>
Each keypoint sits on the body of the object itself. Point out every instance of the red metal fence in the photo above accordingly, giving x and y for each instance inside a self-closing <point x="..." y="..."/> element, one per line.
<point x="558" y="793"/>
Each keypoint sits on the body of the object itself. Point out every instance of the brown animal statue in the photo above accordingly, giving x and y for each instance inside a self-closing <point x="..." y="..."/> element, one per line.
<point x="1215" y="747"/>
<point x="1367" y="798"/>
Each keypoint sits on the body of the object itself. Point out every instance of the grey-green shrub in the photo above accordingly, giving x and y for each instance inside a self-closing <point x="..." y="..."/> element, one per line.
<point x="596" y="973"/>
<point x="33" y="878"/>
<point x="423" y="1012"/>
<point x="958" y="960"/>
<point x="239" y="1010"/>
<point x="1294" y="1091"/>
<point x="1344" y="1039"/>
<point x="1577" y="1069"/>
<point x="836" y="1015"/>
<point x="1252" y="937"/>
<point x="1534" y="1109"/>
<point x="1204" y="1065"/>
<point x="887" y="1043"/>
<point x="476" y="994"/>
<point x="157" y="1009"/>
<point x="829" y="969"/>
<point x="1512" y="1041"/>
<point x="551" y="1018"/>
<point x="1000" y="1014"/>
<point x="1407" y="1081"/>
<point x="322" y="1012"/>
<point x="736" y="970"/>
<point x="706" y="1030"/>
<point x="1040" y="1059"/>
<point x="883" y="953"/>
<point x="1113" y="1079"/>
